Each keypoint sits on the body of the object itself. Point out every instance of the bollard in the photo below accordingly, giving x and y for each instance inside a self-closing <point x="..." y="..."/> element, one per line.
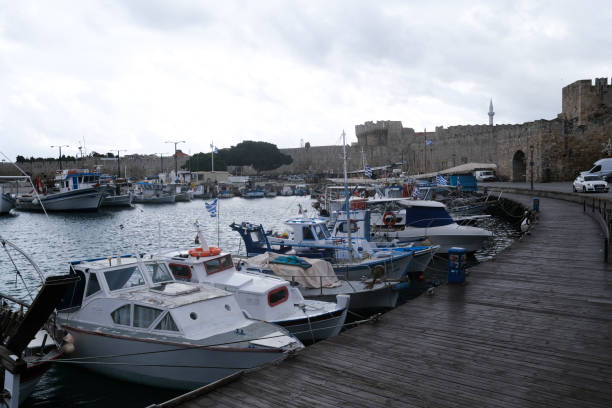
<point x="536" y="205"/>
<point x="456" y="265"/>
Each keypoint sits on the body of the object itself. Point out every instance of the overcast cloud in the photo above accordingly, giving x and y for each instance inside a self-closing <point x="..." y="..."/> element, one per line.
<point x="133" y="74"/>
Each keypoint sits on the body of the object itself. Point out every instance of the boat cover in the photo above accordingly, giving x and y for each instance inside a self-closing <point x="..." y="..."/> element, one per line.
<point x="321" y="273"/>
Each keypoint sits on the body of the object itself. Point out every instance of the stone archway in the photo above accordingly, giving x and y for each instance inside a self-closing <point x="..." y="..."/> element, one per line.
<point x="519" y="167"/>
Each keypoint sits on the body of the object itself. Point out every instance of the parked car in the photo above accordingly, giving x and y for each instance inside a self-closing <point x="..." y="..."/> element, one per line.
<point x="602" y="167"/>
<point x="485" y="175"/>
<point x="587" y="182"/>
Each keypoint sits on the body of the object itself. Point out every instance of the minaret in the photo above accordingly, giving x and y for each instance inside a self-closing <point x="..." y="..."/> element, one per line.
<point x="491" y="113"/>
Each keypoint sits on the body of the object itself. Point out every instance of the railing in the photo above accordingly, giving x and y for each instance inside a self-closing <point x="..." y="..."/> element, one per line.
<point x="603" y="215"/>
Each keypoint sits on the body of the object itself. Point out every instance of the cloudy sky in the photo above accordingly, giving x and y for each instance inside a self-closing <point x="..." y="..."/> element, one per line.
<point x="132" y="74"/>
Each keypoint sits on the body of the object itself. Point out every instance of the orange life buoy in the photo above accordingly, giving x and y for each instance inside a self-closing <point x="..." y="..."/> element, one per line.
<point x="198" y="252"/>
<point x="389" y="219"/>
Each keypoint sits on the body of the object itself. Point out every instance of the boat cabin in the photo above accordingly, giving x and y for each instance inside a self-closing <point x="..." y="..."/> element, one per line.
<point x="131" y="294"/>
<point x="398" y="214"/>
<point x="263" y="297"/>
<point x="75" y="179"/>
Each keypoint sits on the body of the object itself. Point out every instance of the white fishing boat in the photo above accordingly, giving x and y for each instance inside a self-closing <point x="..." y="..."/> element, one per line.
<point x="263" y="297"/>
<point x="404" y="220"/>
<point x="121" y="200"/>
<point x="131" y="320"/>
<point x="74" y="190"/>
<point x="287" y="190"/>
<point x="150" y="193"/>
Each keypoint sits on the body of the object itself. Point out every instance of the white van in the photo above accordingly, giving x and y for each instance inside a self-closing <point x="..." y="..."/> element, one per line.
<point x="485" y="175"/>
<point x="602" y="167"/>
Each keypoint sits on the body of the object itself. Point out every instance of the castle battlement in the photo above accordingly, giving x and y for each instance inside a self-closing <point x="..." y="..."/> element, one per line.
<point x="585" y="98"/>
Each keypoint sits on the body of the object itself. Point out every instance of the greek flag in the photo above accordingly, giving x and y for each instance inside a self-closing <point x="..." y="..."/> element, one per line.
<point x="212" y="207"/>
<point x="415" y="193"/>
<point x="368" y="171"/>
<point x="441" y="180"/>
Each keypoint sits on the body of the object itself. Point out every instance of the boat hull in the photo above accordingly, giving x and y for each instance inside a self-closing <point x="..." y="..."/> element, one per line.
<point x="317" y="327"/>
<point x="448" y="236"/>
<point x="395" y="268"/>
<point x="123" y="200"/>
<point x="6" y="203"/>
<point x="165" y="365"/>
<point x="381" y="296"/>
<point x="86" y="199"/>
<point x="164" y="199"/>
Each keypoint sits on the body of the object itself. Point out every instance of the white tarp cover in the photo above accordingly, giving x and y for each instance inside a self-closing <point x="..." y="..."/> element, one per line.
<point x="320" y="273"/>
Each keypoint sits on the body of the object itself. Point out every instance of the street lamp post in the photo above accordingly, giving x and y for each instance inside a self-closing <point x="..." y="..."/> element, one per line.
<point x="531" y="166"/>
<point x="175" y="158"/>
<point x="60" y="154"/>
<point x="118" y="164"/>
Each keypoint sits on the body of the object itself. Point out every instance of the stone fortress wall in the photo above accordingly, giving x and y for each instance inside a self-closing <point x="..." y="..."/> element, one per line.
<point x="561" y="146"/>
<point x="135" y="166"/>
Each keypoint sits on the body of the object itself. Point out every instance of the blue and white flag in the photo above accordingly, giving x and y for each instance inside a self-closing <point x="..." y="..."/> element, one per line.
<point x="367" y="171"/>
<point x="415" y="192"/>
<point x="441" y="180"/>
<point x="428" y="142"/>
<point x="212" y="207"/>
<point x="216" y="150"/>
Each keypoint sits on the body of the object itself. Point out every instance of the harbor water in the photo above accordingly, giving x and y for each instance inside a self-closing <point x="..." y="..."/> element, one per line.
<point x="54" y="241"/>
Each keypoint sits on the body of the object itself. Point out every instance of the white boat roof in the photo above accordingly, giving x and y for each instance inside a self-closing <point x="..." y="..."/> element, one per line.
<point x="405" y="202"/>
<point x="103" y="263"/>
<point x="174" y="294"/>
<point x="305" y="221"/>
<point x="461" y="169"/>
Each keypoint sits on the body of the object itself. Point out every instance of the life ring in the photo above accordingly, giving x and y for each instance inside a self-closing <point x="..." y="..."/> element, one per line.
<point x="389" y="219"/>
<point x="201" y="252"/>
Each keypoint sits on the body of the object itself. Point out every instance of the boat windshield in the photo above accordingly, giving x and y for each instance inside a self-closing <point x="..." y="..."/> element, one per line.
<point x="123" y="278"/>
<point x="218" y="264"/>
<point x="322" y="231"/>
<point x="425" y="217"/>
<point x="159" y="273"/>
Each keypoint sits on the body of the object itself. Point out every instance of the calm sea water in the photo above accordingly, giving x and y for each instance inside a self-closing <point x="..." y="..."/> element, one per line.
<point x="54" y="241"/>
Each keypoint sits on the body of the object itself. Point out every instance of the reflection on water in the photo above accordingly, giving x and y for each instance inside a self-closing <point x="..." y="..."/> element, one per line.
<point x="53" y="242"/>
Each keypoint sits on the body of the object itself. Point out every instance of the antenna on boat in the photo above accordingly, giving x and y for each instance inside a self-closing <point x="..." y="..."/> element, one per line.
<point x="346" y="195"/>
<point x="29" y="179"/>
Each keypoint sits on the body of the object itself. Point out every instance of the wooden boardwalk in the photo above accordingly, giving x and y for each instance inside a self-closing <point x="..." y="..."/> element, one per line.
<point x="532" y="328"/>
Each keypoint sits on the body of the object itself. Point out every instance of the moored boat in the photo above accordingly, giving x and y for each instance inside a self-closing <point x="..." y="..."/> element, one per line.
<point x="7" y="202"/>
<point x="131" y="320"/>
<point x="74" y="190"/>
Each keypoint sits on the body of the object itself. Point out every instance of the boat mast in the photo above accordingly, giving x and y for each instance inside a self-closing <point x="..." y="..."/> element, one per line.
<point x="347" y="198"/>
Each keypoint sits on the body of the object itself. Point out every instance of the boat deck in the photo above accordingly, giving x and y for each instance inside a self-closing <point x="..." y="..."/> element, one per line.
<point x="532" y="328"/>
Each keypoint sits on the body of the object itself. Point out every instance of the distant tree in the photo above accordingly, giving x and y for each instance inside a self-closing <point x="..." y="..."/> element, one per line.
<point x="260" y="155"/>
<point x="20" y="159"/>
<point x="110" y="155"/>
<point x="307" y="146"/>
<point x="96" y="154"/>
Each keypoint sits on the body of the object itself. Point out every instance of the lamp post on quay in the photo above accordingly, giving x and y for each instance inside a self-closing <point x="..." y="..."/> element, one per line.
<point x="60" y="154"/>
<point x="175" y="158"/>
<point x="531" y="166"/>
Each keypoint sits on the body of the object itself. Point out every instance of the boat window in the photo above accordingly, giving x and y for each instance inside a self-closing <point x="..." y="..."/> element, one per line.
<point x="167" y="323"/>
<point x="218" y="264"/>
<point x="307" y="234"/>
<point x="181" y="272"/>
<point x="278" y="296"/>
<point x="93" y="286"/>
<point x="122" y="315"/>
<point x="145" y="316"/>
<point x="159" y="273"/>
<point x="124" y="278"/>
<point x="256" y="236"/>
<point x="343" y="227"/>
<point x="325" y="230"/>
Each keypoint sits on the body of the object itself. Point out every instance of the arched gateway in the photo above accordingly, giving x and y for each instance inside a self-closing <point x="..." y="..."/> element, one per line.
<point x="519" y="167"/>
